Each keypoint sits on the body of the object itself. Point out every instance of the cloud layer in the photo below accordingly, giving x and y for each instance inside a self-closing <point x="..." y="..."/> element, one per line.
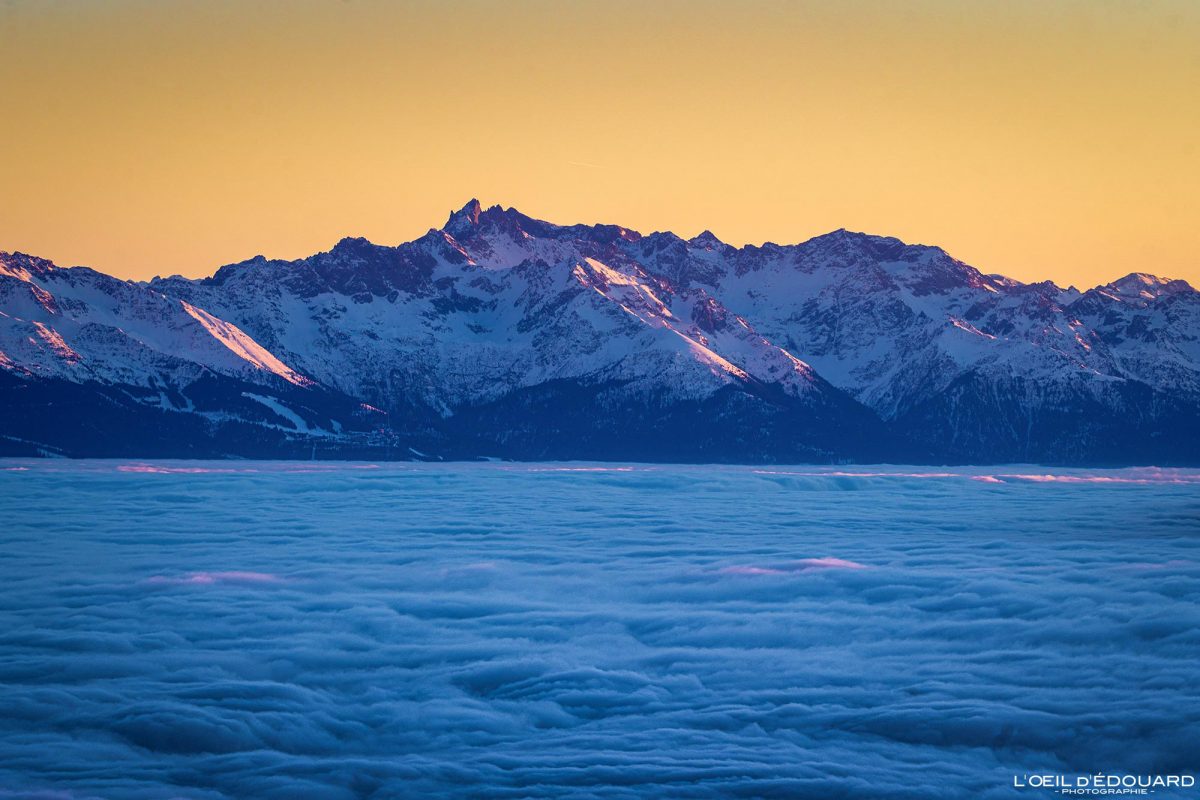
<point x="513" y="631"/>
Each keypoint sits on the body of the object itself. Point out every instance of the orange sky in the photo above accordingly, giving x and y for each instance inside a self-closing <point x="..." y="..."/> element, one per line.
<point x="1041" y="139"/>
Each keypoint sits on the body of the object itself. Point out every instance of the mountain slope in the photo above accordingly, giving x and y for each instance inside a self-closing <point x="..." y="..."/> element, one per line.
<point x="502" y="335"/>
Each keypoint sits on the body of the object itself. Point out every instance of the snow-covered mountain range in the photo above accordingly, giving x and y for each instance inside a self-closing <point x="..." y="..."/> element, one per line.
<point x="499" y="335"/>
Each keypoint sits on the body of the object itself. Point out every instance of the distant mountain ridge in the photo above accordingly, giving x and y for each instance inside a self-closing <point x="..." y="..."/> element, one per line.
<point x="500" y="335"/>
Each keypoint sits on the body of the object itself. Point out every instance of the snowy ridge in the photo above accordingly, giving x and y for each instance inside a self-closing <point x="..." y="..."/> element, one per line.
<point x="497" y="307"/>
<point x="80" y="325"/>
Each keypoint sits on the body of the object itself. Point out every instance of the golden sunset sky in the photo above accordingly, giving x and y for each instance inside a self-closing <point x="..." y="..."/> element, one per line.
<point x="1036" y="138"/>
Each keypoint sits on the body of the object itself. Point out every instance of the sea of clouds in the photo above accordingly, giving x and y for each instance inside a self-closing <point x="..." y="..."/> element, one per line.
<point x="251" y="630"/>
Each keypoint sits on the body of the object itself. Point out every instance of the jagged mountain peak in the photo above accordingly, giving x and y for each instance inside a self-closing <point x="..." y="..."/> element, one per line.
<point x="472" y="219"/>
<point x="22" y="265"/>
<point x="924" y="269"/>
<point x="355" y="247"/>
<point x="226" y="272"/>
<point x="887" y="248"/>
<point x="1146" y="286"/>
<point x="467" y="215"/>
<point x="352" y="241"/>
<point x="707" y="240"/>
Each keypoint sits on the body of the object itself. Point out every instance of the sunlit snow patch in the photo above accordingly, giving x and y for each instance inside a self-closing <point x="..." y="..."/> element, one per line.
<point x="243" y="346"/>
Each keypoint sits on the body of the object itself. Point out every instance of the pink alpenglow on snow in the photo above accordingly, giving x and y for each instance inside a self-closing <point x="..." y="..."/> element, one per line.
<point x="243" y="346"/>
